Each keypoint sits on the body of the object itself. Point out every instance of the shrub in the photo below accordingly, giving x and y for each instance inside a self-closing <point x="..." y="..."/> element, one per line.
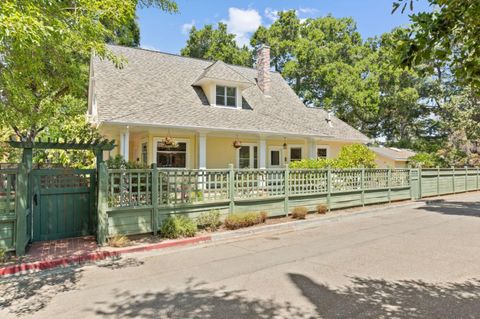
<point x="350" y="156"/>
<point x="240" y="220"/>
<point x="118" y="162"/>
<point x="118" y="241"/>
<point x="178" y="226"/>
<point x="299" y="212"/>
<point x="209" y="220"/>
<point x="3" y="255"/>
<point x="322" y="208"/>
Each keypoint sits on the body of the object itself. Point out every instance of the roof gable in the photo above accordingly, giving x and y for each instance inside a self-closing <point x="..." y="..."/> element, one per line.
<point x="220" y="71"/>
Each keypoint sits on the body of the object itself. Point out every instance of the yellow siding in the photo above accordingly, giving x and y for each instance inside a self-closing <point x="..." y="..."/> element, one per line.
<point x="384" y="162"/>
<point x="220" y="150"/>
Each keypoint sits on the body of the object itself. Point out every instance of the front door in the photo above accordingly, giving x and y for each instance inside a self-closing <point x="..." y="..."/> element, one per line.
<point x="63" y="203"/>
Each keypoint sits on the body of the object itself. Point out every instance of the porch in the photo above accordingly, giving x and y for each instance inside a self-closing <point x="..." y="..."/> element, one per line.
<point x="194" y="149"/>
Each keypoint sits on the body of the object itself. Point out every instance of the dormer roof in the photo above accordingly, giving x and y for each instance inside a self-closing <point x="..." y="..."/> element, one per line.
<point x="220" y="71"/>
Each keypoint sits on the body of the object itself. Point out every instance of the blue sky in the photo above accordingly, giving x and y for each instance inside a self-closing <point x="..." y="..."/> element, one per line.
<point x="168" y="33"/>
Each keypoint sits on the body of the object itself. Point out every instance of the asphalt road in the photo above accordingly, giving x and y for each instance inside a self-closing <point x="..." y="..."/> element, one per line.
<point x="410" y="262"/>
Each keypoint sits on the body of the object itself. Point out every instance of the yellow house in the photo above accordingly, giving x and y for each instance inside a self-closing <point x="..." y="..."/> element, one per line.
<point x="391" y="156"/>
<point x="175" y="111"/>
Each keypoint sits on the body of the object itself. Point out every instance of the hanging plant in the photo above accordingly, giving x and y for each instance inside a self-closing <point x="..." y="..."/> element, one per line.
<point x="169" y="141"/>
<point x="237" y="144"/>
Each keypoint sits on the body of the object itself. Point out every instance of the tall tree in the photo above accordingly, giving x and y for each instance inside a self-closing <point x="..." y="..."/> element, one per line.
<point x="449" y="35"/>
<point x="326" y="62"/>
<point x="45" y="47"/>
<point x="216" y="44"/>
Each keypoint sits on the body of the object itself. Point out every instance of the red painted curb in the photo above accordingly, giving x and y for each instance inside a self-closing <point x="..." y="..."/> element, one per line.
<point x="95" y="256"/>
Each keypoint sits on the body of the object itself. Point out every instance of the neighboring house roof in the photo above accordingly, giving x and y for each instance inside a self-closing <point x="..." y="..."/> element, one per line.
<point x="156" y="89"/>
<point x="396" y="154"/>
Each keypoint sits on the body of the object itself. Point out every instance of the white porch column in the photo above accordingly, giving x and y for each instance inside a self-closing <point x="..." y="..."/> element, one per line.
<point x="202" y="151"/>
<point x="262" y="153"/>
<point x="312" y="149"/>
<point x="124" y="144"/>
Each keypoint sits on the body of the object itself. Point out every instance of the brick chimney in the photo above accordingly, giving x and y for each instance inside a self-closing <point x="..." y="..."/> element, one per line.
<point x="263" y="68"/>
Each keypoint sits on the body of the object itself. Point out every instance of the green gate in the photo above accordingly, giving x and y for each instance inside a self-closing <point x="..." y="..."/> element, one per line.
<point x="63" y="202"/>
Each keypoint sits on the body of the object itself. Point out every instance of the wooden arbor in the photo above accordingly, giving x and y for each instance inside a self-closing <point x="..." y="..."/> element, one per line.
<point x="24" y="193"/>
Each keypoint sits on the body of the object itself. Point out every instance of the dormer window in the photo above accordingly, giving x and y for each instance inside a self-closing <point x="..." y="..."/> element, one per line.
<point x="226" y="96"/>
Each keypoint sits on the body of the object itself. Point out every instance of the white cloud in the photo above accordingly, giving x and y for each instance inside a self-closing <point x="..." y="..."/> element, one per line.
<point x="307" y="10"/>
<point x="186" y="27"/>
<point x="242" y="23"/>
<point x="271" y="14"/>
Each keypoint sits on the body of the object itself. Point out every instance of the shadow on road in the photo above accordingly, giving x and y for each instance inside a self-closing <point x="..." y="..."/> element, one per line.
<point x="29" y="293"/>
<point x="363" y="298"/>
<point x="378" y="298"/>
<point x="453" y="208"/>
<point x="196" y="301"/>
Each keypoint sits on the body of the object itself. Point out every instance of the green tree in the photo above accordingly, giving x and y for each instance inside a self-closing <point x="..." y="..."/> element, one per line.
<point x="216" y="44"/>
<point x="448" y="35"/>
<point x="45" y="47"/>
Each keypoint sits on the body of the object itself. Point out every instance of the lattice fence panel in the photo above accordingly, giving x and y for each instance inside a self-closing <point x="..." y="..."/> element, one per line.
<point x="346" y="180"/>
<point x="400" y="178"/>
<point x="304" y="182"/>
<point x="7" y="192"/>
<point x="376" y="178"/>
<point x="258" y="183"/>
<point x="129" y="188"/>
<point x="192" y="186"/>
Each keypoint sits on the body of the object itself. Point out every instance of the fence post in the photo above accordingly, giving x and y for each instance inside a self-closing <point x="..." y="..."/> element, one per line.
<point x="438" y="180"/>
<point x="389" y="184"/>
<point x="231" y="188"/>
<point x="21" y="200"/>
<point x="453" y="179"/>
<point x="466" y="179"/>
<point x="420" y="182"/>
<point x="329" y="188"/>
<point x="477" y="177"/>
<point x="362" y="185"/>
<point x="287" y="189"/>
<point x="155" y="196"/>
<point x="102" y="215"/>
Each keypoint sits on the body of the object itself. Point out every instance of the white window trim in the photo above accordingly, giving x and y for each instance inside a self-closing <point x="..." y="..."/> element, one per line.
<point x="237" y="155"/>
<point x="213" y="95"/>
<point x="226" y="96"/>
<point x="295" y="146"/>
<point x="180" y="140"/>
<point x="139" y="152"/>
<point x="327" y="147"/>
<point x="269" y="156"/>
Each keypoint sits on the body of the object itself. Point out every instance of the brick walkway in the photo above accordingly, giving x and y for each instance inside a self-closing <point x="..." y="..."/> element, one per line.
<point x="53" y="249"/>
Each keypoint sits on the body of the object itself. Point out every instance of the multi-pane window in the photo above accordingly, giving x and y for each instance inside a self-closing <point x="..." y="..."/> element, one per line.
<point x="321" y="152"/>
<point x="172" y="156"/>
<point x="144" y="153"/>
<point x="295" y="154"/>
<point x="248" y="156"/>
<point x="226" y="96"/>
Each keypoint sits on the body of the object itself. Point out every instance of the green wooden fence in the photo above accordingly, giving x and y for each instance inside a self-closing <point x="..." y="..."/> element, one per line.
<point x="8" y="191"/>
<point x="137" y="201"/>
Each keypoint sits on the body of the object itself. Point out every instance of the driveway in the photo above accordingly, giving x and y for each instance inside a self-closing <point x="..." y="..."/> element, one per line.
<point x="410" y="262"/>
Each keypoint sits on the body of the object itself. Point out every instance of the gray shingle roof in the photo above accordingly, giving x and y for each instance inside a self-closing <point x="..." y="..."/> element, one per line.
<point x="397" y="154"/>
<point x="156" y="89"/>
<point x="220" y="71"/>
